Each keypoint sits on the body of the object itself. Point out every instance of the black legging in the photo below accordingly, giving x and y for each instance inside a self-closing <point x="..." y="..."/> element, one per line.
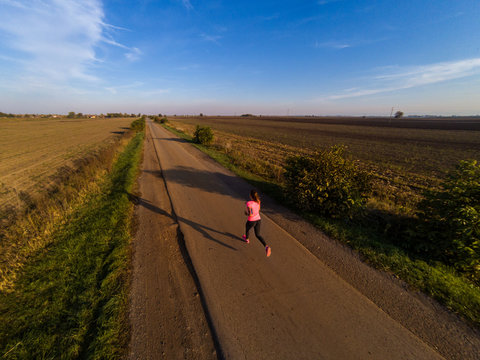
<point x="256" y="226"/>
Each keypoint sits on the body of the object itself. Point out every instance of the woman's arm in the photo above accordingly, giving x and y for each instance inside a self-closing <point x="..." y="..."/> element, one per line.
<point x="248" y="210"/>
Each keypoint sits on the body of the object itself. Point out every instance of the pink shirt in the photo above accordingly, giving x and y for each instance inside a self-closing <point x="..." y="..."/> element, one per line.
<point x="253" y="210"/>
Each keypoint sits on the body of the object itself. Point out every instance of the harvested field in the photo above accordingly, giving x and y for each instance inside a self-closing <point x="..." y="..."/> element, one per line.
<point x="33" y="150"/>
<point x="406" y="155"/>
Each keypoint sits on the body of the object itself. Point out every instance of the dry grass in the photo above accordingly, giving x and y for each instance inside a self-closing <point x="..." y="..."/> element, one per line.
<point x="32" y="150"/>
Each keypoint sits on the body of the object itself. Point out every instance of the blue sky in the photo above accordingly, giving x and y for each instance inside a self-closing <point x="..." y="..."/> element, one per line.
<point x="279" y="57"/>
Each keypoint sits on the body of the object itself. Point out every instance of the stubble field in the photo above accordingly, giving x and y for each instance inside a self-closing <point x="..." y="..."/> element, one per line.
<point x="32" y="150"/>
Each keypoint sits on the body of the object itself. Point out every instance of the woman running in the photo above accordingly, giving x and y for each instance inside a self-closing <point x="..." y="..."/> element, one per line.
<point x="254" y="220"/>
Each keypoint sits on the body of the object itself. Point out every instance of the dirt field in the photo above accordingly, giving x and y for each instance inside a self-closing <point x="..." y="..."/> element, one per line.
<point x="32" y="150"/>
<point x="420" y="146"/>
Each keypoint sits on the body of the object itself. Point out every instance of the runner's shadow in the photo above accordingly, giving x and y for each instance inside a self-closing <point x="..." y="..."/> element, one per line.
<point x="199" y="227"/>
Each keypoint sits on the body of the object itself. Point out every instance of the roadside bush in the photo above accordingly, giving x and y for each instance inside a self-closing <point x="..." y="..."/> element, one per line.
<point x="327" y="183"/>
<point x="138" y="125"/>
<point x="160" y="120"/>
<point x="449" y="220"/>
<point x="203" y="135"/>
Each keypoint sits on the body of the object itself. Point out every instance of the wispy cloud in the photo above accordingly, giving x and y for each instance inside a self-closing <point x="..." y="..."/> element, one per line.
<point x="133" y="55"/>
<point x="343" y="44"/>
<point x="332" y="45"/>
<point x="59" y="36"/>
<point x="211" y="38"/>
<point x="325" y="2"/>
<point x="187" y="4"/>
<point x="410" y="77"/>
<point x="269" y="18"/>
<point x="56" y="39"/>
<point x="116" y="89"/>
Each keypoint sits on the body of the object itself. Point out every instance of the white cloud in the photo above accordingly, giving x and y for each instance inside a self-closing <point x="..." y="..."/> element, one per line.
<point x="58" y="36"/>
<point x="56" y="39"/>
<point x="332" y="44"/>
<point x="433" y="73"/>
<point x="410" y="77"/>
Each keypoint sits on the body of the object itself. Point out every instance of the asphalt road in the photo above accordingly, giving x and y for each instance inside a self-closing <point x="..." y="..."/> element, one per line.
<point x="288" y="306"/>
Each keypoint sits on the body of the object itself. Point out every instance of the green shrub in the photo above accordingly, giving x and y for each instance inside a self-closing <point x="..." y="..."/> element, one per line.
<point x="327" y="183"/>
<point x="160" y="120"/>
<point x="138" y="125"/>
<point x="449" y="227"/>
<point x="203" y="135"/>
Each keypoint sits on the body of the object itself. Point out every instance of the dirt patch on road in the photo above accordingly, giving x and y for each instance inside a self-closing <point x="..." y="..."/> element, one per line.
<point x="166" y="314"/>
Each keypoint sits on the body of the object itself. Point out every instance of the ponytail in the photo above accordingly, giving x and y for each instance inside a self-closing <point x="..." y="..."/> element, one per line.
<point x="254" y="196"/>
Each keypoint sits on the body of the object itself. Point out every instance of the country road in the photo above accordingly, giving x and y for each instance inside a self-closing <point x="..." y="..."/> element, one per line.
<point x="288" y="306"/>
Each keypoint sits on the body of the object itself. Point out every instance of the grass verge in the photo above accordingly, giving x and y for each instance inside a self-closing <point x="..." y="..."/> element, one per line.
<point x="70" y="299"/>
<point x="433" y="278"/>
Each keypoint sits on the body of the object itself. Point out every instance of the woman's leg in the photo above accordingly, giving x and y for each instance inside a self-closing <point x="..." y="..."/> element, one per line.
<point x="257" y="229"/>
<point x="248" y="227"/>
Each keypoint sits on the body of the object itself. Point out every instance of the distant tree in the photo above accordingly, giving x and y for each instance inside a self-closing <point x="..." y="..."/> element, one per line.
<point x="71" y="115"/>
<point x="79" y="115"/>
<point x="398" y="114"/>
<point x="201" y="114"/>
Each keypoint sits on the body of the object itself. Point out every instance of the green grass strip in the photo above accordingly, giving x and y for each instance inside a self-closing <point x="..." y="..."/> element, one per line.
<point x="71" y="299"/>
<point x="433" y="278"/>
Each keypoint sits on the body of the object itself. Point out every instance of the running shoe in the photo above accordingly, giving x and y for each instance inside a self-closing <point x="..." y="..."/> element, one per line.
<point x="268" y="250"/>
<point x="244" y="237"/>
